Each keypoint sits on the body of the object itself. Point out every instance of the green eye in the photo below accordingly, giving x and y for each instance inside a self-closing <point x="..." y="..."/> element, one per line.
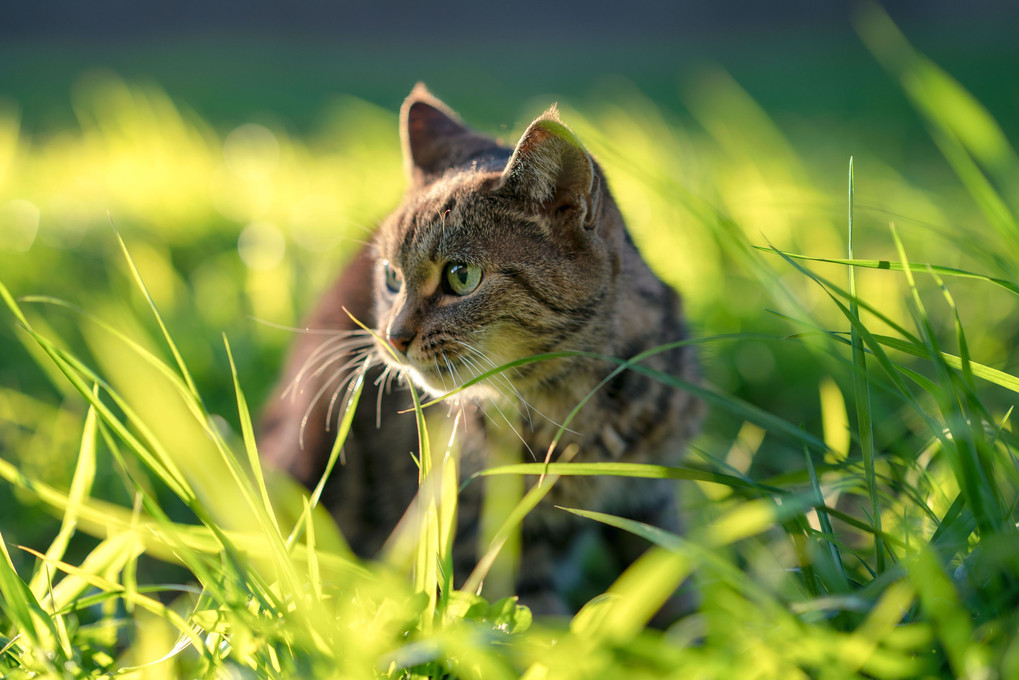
<point x="461" y="278"/>
<point x="393" y="279"/>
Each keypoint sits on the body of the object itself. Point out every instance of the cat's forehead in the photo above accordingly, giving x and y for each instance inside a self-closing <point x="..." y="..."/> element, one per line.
<point x="454" y="215"/>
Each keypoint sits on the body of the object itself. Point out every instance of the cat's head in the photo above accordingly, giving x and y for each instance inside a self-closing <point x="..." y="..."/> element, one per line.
<point x="495" y="254"/>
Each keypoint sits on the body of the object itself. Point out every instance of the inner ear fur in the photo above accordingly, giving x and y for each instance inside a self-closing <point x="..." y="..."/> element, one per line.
<point x="433" y="137"/>
<point x="551" y="169"/>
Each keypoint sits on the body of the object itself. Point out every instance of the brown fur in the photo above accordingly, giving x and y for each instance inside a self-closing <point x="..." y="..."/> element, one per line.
<point x="559" y="272"/>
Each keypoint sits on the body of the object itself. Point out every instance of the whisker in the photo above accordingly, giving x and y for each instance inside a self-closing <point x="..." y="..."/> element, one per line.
<point x="380" y="382"/>
<point x="303" y="330"/>
<point x="339" y="375"/>
<point x="357" y="357"/>
<point x="325" y="350"/>
<point x="348" y="381"/>
<point x="513" y="429"/>
<point x="524" y="413"/>
<point x="477" y="353"/>
<point x="343" y="339"/>
<point x="438" y="370"/>
<point x="452" y="371"/>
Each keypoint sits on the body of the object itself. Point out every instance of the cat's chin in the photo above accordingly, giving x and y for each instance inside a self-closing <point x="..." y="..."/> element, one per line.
<point x="437" y="384"/>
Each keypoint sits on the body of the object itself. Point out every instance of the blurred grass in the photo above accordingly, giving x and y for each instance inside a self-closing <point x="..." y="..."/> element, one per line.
<point x="899" y="564"/>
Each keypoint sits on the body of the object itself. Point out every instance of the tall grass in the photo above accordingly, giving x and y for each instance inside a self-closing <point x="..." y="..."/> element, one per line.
<point x="851" y="503"/>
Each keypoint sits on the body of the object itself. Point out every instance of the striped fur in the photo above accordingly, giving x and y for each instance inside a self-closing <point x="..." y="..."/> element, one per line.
<point x="559" y="273"/>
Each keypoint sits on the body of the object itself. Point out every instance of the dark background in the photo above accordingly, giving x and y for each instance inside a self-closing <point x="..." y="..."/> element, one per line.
<point x="230" y="60"/>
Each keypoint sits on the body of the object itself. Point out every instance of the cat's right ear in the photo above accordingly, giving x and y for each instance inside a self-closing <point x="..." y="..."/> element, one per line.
<point x="433" y="137"/>
<point x="551" y="170"/>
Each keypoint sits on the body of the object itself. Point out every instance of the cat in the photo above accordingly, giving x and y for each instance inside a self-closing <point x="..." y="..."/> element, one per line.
<point x="495" y="254"/>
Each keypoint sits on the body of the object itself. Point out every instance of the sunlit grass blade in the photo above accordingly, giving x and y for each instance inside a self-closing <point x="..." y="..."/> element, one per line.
<point x="703" y="540"/>
<point x="501" y="495"/>
<point x="674" y="472"/>
<point x="824" y="522"/>
<point x="426" y="571"/>
<point x="93" y="514"/>
<point x="140" y="283"/>
<point x="652" y="534"/>
<point x="967" y="394"/>
<point x="24" y="610"/>
<point x="940" y="600"/>
<point x="161" y="463"/>
<point x="148" y="603"/>
<point x="834" y="421"/>
<point x="516" y="517"/>
<point x="982" y="371"/>
<point x="894" y="266"/>
<point x="314" y="573"/>
<point x="248" y="435"/>
<point x="429" y="551"/>
<point x="161" y="537"/>
<point x="953" y="529"/>
<point x="155" y="458"/>
<point x="833" y="290"/>
<point x="151" y="359"/>
<point x="861" y="388"/>
<point x="862" y="651"/>
<point x="636" y="596"/>
<point x="167" y="539"/>
<point x="642" y="470"/>
<point x="224" y="496"/>
<point x="81" y="485"/>
<point x="343" y="431"/>
<point x="738" y="407"/>
<point x="962" y="129"/>
<point x="971" y="466"/>
<point x="109" y="557"/>
<point x="893" y="372"/>
<point x="448" y="474"/>
<point x="646" y="585"/>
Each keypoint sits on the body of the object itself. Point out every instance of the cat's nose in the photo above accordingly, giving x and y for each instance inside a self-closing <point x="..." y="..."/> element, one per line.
<point x="400" y="340"/>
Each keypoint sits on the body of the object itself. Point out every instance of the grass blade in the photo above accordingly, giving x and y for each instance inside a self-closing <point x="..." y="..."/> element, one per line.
<point x="861" y="386"/>
<point x="894" y="266"/>
<point x="24" y="610"/>
<point x="81" y="485"/>
<point x="181" y="366"/>
<point x="248" y="435"/>
<point x="515" y="518"/>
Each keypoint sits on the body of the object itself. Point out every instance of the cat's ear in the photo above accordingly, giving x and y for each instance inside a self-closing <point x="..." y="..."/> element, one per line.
<point x="551" y="170"/>
<point x="433" y="137"/>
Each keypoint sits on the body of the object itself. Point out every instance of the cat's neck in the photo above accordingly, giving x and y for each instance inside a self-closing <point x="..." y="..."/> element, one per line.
<point x="642" y="314"/>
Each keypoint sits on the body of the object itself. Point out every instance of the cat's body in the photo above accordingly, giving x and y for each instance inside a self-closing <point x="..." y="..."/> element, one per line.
<point x="495" y="254"/>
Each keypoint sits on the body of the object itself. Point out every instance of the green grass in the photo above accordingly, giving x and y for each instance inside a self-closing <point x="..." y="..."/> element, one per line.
<point x="851" y="503"/>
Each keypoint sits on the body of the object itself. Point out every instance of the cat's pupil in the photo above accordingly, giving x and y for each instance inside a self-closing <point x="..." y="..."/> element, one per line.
<point x="461" y="274"/>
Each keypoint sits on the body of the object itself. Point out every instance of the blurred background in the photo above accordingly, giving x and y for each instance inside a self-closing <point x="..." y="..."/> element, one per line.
<point x="245" y="149"/>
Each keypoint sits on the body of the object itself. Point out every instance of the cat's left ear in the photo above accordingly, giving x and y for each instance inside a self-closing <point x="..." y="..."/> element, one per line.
<point x="552" y="170"/>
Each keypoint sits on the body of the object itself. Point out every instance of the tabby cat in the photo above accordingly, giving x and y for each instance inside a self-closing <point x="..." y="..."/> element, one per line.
<point x="495" y="254"/>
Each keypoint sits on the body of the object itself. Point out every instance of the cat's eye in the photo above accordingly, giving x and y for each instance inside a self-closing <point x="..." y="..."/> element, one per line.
<point x="462" y="279"/>
<point x="393" y="279"/>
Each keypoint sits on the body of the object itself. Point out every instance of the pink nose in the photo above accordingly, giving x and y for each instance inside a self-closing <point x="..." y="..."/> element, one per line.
<point x="400" y="341"/>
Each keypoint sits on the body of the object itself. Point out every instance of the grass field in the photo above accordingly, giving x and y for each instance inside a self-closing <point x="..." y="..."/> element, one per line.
<point x="852" y="500"/>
